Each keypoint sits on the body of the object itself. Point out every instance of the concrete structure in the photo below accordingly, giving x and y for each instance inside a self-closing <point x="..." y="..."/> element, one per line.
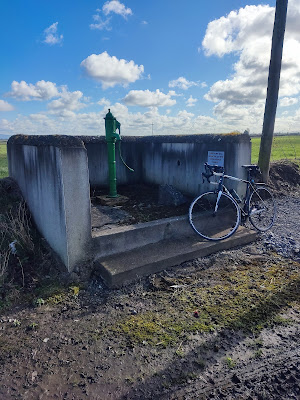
<point x="124" y="267"/>
<point x="174" y="160"/>
<point x="55" y="174"/>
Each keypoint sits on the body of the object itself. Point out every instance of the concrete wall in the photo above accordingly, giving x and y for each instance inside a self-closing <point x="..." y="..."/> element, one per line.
<point x="131" y="152"/>
<point x="52" y="173"/>
<point x="173" y="160"/>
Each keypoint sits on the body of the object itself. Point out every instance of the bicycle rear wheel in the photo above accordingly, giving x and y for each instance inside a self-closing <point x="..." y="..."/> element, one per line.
<point x="262" y="210"/>
<point x="213" y="225"/>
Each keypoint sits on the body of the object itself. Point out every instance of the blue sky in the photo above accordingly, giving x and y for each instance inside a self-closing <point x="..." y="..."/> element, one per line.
<point x="179" y="67"/>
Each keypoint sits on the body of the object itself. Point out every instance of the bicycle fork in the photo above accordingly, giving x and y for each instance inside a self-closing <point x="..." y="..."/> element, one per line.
<point x="217" y="202"/>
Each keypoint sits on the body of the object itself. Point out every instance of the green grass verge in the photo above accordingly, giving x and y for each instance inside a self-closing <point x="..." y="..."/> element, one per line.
<point x="284" y="147"/>
<point x="3" y="161"/>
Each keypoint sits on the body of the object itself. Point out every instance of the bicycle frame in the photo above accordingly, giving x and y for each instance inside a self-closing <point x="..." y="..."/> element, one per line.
<point x="222" y="188"/>
<point x="216" y="214"/>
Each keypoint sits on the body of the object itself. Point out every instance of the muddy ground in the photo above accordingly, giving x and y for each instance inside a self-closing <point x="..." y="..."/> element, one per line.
<point x="136" y="203"/>
<point x="222" y="327"/>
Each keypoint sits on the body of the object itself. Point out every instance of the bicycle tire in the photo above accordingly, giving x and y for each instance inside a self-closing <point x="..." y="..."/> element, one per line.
<point x="210" y="225"/>
<point x="262" y="209"/>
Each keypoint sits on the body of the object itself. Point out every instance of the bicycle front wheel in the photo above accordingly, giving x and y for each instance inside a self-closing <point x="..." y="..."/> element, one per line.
<point x="262" y="210"/>
<point x="211" y="224"/>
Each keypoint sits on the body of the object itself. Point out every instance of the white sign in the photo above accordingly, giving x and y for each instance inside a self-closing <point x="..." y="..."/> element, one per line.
<point x="215" y="158"/>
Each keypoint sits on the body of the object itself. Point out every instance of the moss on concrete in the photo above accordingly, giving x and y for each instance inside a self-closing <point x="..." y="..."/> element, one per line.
<point x="46" y="140"/>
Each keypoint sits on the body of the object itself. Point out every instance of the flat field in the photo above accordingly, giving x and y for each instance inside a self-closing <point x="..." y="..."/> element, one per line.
<point x="284" y="147"/>
<point x="3" y="161"/>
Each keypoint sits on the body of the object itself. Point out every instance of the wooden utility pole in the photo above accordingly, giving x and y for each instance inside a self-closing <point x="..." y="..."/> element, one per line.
<point x="273" y="88"/>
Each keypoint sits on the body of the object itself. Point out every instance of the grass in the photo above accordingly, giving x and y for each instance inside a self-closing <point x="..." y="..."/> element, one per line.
<point x="249" y="298"/>
<point x="3" y="161"/>
<point x="284" y="147"/>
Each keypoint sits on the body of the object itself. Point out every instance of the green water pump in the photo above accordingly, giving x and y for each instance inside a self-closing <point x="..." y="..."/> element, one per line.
<point x="111" y="126"/>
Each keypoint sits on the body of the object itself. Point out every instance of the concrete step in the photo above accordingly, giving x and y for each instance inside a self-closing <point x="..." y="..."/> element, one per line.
<point x="122" y="268"/>
<point x="114" y="239"/>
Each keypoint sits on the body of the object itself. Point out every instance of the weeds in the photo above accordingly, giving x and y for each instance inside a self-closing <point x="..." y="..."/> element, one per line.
<point x="16" y="241"/>
<point x="32" y="327"/>
<point x="39" y="302"/>
<point x="230" y="362"/>
<point x="22" y="255"/>
<point x="16" y="229"/>
<point x="4" y="261"/>
<point x="258" y="353"/>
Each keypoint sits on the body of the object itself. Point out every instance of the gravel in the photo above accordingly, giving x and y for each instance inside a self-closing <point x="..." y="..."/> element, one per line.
<point x="284" y="237"/>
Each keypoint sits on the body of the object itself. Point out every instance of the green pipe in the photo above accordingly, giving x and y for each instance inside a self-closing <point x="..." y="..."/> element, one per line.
<point x="111" y="124"/>
<point x="111" y="151"/>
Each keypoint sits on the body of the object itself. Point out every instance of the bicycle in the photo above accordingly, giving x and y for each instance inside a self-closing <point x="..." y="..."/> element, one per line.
<point x="216" y="215"/>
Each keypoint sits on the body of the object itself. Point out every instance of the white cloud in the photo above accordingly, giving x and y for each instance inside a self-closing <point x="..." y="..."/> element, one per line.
<point x="229" y="34"/>
<point x="138" y="123"/>
<point x="146" y="98"/>
<point x="191" y="102"/>
<point x="100" y="23"/>
<point x="42" y="90"/>
<point x="103" y="102"/>
<point x="64" y="105"/>
<point x="116" y="7"/>
<point x="111" y="71"/>
<point x="110" y="7"/>
<point x="173" y="93"/>
<point x="38" y="117"/>
<point x="91" y="123"/>
<point x="240" y="116"/>
<point x="67" y="103"/>
<point x="237" y="91"/>
<point x="51" y="36"/>
<point x="288" y="101"/>
<point x="182" y="83"/>
<point x="4" y="106"/>
<point x="247" y="34"/>
<point x="185" y="115"/>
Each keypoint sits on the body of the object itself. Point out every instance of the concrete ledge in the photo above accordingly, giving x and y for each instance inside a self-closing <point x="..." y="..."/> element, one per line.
<point x="194" y="138"/>
<point x="122" y="268"/>
<point x="124" y="238"/>
<point x="46" y="140"/>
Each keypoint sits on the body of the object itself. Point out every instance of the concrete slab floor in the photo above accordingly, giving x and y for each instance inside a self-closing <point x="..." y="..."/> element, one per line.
<point x="103" y="216"/>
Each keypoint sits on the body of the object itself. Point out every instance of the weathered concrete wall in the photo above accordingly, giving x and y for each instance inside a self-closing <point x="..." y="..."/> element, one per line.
<point x="52" y="173"/>
<point x="173" y="160"/>
<point x="178" y="160"/>
<point x="98" y="164"/>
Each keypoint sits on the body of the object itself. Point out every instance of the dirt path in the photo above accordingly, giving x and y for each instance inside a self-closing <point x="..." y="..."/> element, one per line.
<point x="144" y="342"/>
<point x="222" y="327"/>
